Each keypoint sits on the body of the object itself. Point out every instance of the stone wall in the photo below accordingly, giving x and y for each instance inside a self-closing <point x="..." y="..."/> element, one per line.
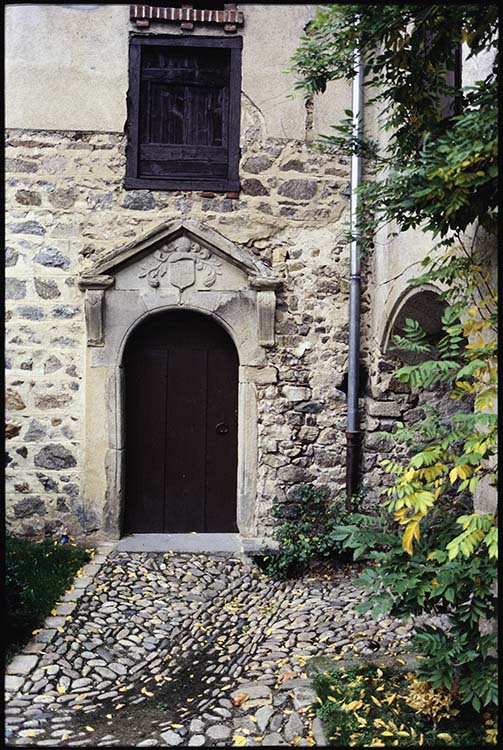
<point x="67" y="208"/>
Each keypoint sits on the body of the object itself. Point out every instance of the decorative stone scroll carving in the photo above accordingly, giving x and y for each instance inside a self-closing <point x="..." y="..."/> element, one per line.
<point x="94" y="307"/>
<point x="181" y="259"/>
<point x="266" y="308"/>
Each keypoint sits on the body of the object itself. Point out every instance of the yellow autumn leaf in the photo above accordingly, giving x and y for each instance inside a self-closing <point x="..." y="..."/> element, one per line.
<point x="331" y="698"/>
<point x="411" y="532"/>
<point x="109" y="716"/>
<point x="54" y="612"/>
<point x="29" y="734"/>
<point x="146" y="692"/>
<point x="239" y="740"/>
<point x="444" y="736"/>
<point x="34" y="632"/>
<point x="89" y="729"/>
<point x="177" y="726"/>
<point x="61" y="690"/>
<point x="351" y="706"/>
<point x="119" y="705"/>
<point x="239" y="699"/>
<point x="375" y="700"/>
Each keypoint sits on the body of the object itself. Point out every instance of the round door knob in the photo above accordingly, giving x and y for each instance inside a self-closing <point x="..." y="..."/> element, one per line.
<point x="222" y="429"/>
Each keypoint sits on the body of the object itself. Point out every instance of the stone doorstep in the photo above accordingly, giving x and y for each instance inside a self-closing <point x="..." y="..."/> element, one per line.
<point x="217" y="544"/>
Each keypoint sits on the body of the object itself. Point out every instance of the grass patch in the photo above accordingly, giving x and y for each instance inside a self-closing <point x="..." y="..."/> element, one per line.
<point x="374" y="706"/>
<point x="37" y="575"/>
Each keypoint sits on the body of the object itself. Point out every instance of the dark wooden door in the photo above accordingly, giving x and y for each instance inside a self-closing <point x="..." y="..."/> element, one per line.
<point x="181" y="373"/>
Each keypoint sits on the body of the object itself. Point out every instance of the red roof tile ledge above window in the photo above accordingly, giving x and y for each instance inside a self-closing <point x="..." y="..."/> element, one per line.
<point x="228" y="17"/>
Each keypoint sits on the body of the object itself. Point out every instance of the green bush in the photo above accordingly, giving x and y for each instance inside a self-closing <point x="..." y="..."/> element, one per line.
<point x="37" y="574"/>
<point x="429" y="582"/>
<point x="304" y="533"/>
<point x="373" y="706"/>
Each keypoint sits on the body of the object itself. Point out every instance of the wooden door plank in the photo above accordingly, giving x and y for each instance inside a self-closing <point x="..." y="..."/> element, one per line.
<point x="145" y="440"/>
<point x="185" y="444"/>
<point x="221" y="451"/>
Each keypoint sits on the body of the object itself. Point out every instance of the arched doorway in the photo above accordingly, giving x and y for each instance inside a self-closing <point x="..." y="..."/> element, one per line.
<point x="181" y="401"/>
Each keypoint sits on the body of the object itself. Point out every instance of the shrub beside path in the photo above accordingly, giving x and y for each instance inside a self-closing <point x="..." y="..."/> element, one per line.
<point x="167" y="649"/>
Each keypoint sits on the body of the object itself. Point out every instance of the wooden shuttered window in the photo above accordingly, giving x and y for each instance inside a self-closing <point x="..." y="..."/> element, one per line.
<point x="183" y="113"/>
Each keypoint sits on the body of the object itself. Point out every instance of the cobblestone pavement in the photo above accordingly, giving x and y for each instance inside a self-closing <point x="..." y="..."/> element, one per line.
<point x="185" y="649"/>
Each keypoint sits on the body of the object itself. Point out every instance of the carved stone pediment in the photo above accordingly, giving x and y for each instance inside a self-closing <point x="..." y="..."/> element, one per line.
<point x="183" y="261"/>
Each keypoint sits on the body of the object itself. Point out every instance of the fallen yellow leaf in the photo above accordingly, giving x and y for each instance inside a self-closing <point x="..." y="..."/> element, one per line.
<point x="239" y="740"/>
<point x="89" y="729"/>
<point x="352" y="706"/>
<point x="240" y="698"/>
<point x="61" y="690"/>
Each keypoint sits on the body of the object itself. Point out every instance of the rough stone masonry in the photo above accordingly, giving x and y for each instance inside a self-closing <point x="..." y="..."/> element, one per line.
<point x="67" y="209"/>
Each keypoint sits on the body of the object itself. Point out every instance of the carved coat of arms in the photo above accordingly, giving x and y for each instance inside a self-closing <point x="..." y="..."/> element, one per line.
<point x="182" y="259"/>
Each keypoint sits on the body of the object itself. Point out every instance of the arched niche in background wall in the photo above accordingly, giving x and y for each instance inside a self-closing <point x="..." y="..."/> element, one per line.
<point x="424" y="305"/>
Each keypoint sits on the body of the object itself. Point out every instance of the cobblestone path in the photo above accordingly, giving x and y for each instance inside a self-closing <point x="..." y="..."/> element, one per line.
<point x="172" y="649"/>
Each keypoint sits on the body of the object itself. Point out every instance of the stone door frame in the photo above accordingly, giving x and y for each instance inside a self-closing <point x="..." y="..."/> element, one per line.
<point x="119" y="298"/>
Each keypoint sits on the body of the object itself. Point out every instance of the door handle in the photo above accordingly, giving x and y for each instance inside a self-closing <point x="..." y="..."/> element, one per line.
<point x="222" y="428"/>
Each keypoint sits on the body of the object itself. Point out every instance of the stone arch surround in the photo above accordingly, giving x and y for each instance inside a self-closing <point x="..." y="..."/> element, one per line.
<point x="401" y="302"/>
<point x="178" y="266"/>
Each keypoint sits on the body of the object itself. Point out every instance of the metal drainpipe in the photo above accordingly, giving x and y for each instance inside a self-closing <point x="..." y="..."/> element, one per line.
<point x="353" y="433"/>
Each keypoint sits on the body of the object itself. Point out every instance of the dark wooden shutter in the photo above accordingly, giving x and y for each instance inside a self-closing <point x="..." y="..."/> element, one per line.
<point x="185" y="126"/>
